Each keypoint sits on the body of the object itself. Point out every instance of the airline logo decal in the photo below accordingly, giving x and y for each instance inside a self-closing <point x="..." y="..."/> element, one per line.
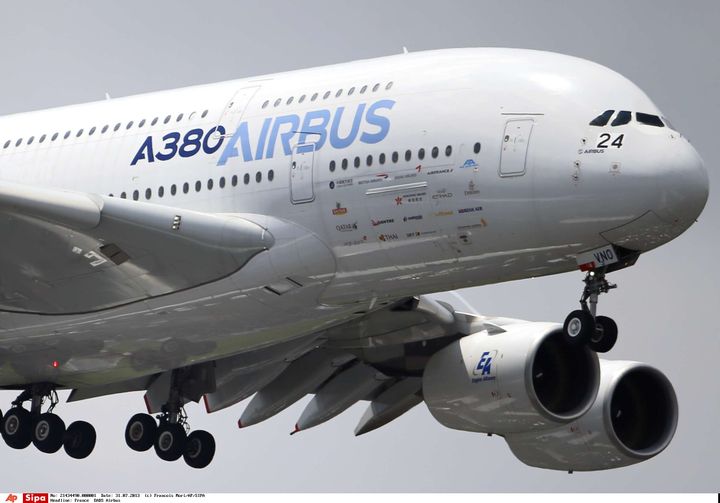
<point x="485" y="369"/>
<point x="340" y="127"/>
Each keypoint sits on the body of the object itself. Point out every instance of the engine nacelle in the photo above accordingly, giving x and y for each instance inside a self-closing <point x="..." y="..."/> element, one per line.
<point x="525" y="378"/>
<point x="633" y="419"/>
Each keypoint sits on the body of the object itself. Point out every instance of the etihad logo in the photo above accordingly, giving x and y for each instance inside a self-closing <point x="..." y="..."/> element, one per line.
<point x="339" y="210"/>
<point x="384" y="221"/>
<point x="442" y="194"/>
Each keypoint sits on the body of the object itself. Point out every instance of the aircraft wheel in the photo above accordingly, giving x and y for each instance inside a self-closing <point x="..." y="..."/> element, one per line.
<point x="579" y="327"/>
<point x="170" y="441"/>
<point x="140" y="432"/>
<point x="17" y="428"/>
<point x="199" y="449"/>
<point x="606" y="332"/>
<point x="48" y="433"/>
<point x="79" y="440"/>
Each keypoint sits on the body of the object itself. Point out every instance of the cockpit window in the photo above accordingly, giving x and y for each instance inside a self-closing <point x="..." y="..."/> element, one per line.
<point x="650" y="120"/>
<point x="602" y="119"/>
<point x="623" y="117"/>
<point x="668" y="123"/>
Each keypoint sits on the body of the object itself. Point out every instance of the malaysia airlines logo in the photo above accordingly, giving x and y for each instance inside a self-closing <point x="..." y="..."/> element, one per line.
<point x="485" y="368"/>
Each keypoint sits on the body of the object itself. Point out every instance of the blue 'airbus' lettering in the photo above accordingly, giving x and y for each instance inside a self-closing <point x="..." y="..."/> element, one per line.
<point x="315" y="129"/>
<point x="340" y="127"/>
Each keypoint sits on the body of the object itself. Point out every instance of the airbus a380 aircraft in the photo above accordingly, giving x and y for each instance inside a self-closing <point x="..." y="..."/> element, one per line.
<point x="278" y="236"/>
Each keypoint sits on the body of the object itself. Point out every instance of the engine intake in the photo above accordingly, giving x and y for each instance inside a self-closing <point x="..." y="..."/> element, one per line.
<point x="633" y="419"/>
<point x="526" y="377"/>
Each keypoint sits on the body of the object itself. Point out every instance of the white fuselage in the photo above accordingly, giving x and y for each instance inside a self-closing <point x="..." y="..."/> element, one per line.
<point x="440" y="170"/>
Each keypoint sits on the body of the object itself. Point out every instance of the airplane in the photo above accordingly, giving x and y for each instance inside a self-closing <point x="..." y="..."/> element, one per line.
<point x="282" y="236"/>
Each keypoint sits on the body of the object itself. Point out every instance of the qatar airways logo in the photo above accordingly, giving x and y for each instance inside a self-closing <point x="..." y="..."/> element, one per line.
<point x="485" y="368"/>
<point x="340" y="127"/>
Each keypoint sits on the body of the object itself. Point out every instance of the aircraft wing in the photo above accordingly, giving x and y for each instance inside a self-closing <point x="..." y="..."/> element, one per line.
<point x="67" y="252"/>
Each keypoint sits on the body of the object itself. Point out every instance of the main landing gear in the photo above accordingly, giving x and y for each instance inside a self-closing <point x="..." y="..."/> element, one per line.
<point x="583" y="326"/>
<point x="168" y="435"/>
<point x="21" y="427"/>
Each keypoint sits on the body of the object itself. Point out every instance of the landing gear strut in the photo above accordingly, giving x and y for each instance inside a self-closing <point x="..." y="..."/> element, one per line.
<point x="21" y="427"/>
<point x="583" y="326"/>
<point x="168" y="435"/>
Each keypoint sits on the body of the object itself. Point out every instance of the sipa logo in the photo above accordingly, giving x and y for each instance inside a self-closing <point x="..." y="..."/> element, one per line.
<point x="485" y="368"/>
<point x="35" y="497"/>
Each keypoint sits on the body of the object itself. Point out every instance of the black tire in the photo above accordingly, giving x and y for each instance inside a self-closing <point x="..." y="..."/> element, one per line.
<point x="199" y="449"/>
<point x="170" y="441"/>
<point x="140" y="432"/>
<point x="48" y="433"/>
<point x="579" y="327"/>
<point x="17" y="428"/>
<point x="79" y="440"/>
<point x="605" y="337"/>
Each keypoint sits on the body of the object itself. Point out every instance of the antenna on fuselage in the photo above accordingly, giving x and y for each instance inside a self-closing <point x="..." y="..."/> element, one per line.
<point x="107" y="96"/>
<point x="405" y="51"/>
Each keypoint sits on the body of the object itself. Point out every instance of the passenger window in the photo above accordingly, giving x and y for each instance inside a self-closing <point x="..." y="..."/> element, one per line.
<point x="54" y="137"/>
<point x="477" y="147"/>
<point x="351" y="91"/>
<point x="363" y="89"/>
<point x="357" y="162"/>
<point x="258" y="177"/>
<point x="92" y="131"/>
<point x="376" y="87"/>
<point x="204" y="114"/>
<point x="154" y="121"/>
<point x="7" y="143"/>
<point x="369" y="160"/>
<point x="136" y="195"/>
<point x="448" y="151"/>
<point x="222" y="182"/>
<point x="277" y="102"/>
<point x="332" y="166"/>
<point x="289" y="100"/>
<point x="314" y="97"/>
<point x="123" y="195"/>
<point x="234" y="180"/>
<point x="105" y="128"/>
<point x="435" y="151"/>
<point x="623" y="117"/>
<point x="167" y="119"/>
<point x="264" y="105"/>
<point x="129" y="125"/>
<point x="650" y="120"/>
<point x="602" y="119"/>
<point x="161" y="191"/>
<point x="148" y="193"/>
<point x="179" y="117"/>
<point x="142" y="123"/>
<point x="186" y="188"/>
<point x="408" y="155"/>
<point x="198" y="186"/>
<point x="421" y="154"/>
<point x="395" y="157"/>
<point x="381" y="158"/>
<point x="173" y="189"/>
<point x="246" y="178"/>
<point x="42" y="138"/>
<point x="210" y="184"/>
<point x="302" y="98"/>
<point x="344" y="164"/>
<point x="271" y="175"/>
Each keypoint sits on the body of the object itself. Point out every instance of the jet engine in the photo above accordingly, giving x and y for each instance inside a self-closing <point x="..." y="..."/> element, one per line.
<point x="633" y="419"/>
<point x="520" y="377"/>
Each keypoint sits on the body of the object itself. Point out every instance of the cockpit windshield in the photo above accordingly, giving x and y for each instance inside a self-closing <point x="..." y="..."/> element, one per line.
<point x="625" y="117"/>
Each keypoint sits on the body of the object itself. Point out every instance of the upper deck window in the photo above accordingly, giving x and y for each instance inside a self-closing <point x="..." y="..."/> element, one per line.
<point x="602" y="119"/>
<point x="623" y="117"/>
<point x="649" y="119"/>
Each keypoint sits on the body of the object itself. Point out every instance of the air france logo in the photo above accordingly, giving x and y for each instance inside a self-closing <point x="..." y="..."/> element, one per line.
<point x="485" y="368"/>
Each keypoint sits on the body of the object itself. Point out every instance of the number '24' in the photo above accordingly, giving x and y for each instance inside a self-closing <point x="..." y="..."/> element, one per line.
<point x="605" y="138"/>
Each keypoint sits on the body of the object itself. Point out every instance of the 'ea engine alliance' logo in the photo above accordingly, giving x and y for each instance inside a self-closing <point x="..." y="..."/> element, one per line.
<point x="485" y="368"/>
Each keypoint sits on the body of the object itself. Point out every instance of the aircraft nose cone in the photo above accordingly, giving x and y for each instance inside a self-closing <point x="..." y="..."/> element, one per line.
<point x="684" y="185"/>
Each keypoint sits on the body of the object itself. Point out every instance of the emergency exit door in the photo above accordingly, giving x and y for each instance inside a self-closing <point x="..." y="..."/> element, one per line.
<point x="516" y="139"/>
<point x="301" y="174"/>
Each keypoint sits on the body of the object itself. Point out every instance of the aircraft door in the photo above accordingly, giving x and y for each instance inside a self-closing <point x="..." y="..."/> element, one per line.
<point x="235" y="108"/>
<point x="301" y="174"/>
<point x="515" y="146"/>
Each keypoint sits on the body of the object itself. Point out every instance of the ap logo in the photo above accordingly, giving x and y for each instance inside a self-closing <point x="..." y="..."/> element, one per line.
<point x="12" y="498"/>
<point x="485" y="368"/>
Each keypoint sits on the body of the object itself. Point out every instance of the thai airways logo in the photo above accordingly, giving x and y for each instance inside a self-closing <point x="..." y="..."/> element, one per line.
<point x="485" y="368"/>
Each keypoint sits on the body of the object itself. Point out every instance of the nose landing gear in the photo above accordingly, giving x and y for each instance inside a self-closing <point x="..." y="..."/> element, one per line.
<point x="582" y="326"/>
